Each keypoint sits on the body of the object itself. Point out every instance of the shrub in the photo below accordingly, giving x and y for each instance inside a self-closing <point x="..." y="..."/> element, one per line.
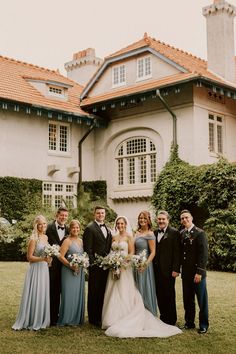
<point x="221" y="231"/>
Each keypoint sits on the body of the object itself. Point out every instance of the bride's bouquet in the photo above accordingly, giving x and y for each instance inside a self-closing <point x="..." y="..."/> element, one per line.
<point x="139" y="261"/>
<point x="51" y="251"/>
<point x="114" y="261"/>
<point x="79" y="261"/>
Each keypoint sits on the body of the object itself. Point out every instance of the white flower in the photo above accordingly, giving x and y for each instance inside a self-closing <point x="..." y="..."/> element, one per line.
<point x="52" y="250"/>
<point x="114" y="261"/>
<point x="79" y="261"/>
<point x="139" y="261"/>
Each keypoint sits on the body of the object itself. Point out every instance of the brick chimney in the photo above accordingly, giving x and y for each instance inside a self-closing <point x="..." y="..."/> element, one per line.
<point x="83" y="66"/>
<point x="220" y="39"/>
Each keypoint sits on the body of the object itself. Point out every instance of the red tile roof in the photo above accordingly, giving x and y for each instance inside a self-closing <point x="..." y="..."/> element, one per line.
<point x="15" y="86"/>
<point x="194" y="67"/>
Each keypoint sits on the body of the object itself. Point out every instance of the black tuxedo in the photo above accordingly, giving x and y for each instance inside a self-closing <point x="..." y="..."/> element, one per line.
<point x="95" y="243"/>
<point x="55" y="273"/>
<point x="194" y="254"/>
<point x="167" y="260"/>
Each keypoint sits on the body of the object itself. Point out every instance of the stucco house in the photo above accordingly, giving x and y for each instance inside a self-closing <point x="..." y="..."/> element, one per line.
<point x="120" y="124"/>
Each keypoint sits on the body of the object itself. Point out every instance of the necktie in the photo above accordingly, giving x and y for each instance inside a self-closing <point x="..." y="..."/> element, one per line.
<point x="61" y="227"/>
<point x="160" y="234"/>
<point x="102" y="225"/>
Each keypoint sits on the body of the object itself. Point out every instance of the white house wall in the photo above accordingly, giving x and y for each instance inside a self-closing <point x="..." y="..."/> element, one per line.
<point x="24" y="149"/>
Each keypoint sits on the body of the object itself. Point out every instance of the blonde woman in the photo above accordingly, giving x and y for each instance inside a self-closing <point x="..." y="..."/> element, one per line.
<point x="34" y="311"/>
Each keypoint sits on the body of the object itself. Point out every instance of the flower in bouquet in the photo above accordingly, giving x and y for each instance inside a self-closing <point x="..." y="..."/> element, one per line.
<point x="52" y="250"/>
<point x="139" y="261"/>
<point x="114" y="261"/>
<point x="79" y="261"/>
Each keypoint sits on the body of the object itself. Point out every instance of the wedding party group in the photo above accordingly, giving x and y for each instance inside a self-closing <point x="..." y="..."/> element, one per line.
<point x="131" y="275"/>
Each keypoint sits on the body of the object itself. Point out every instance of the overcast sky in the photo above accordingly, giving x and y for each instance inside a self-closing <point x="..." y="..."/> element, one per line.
<point x="48" y="32"/>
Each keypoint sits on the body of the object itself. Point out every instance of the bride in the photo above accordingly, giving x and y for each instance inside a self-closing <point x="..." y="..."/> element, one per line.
<point x="124" y="314"/>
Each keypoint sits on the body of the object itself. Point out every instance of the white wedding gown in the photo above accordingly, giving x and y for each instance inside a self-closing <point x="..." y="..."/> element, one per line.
<point x="124" y="314"/>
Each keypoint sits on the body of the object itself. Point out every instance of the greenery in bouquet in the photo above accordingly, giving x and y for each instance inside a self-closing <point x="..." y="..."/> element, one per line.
<point x="139" y="261"/>
<point x="79" y="261"/>
<point x="115" y="261"/>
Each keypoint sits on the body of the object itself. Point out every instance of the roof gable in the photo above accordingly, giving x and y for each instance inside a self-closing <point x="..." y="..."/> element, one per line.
<point x="187" y="65"/>
<point x="15" y="77"/>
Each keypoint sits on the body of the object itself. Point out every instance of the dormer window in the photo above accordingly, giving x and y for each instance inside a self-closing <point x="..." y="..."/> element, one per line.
<point x="118" y="76"/>
<point x="56" y="91"/>
<point x="144" y="68"/>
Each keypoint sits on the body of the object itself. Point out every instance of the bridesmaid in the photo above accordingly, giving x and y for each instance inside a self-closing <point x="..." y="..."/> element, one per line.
<point x="145" y="281"/>
<point x="34" y="311"/>
<point x="73" y="286"/>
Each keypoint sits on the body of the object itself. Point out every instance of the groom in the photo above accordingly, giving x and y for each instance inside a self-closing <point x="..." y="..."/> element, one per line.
<point x="97" y="240"/>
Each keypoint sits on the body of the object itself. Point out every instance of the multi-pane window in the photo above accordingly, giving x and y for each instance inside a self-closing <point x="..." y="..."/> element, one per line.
<point x="144" y="68"/>
<point x="58" y="194"/>
<point x="118" y="75"/>
<point x="56" y="91"/>
<point x="58" y="137"/>
<point x="215" y="133"/>
<point x="136" y="161"/>
<point x="47" y="200"/>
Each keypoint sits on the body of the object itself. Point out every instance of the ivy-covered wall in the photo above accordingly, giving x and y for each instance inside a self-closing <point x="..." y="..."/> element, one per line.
<point x="209" y="193"/>
<point x="96" y="189"/>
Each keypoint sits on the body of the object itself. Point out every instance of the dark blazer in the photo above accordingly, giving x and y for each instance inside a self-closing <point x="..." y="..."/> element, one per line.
<point x="52" y="234"/>
<point x="95" y="242"/>
<point x="53" y="239"/>
<point x="167" y="258"/>
<point x="194" y="252"/>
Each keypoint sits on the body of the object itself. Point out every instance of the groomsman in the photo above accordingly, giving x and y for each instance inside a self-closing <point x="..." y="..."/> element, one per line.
<point x="97" y="240"/>
<point x="56" y="232"/>
<point x="166" y="267"/>
<point x="194" y="254"/>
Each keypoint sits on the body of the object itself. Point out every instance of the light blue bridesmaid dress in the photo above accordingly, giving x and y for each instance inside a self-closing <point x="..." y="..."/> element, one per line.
<point x="72" y="292"/>
<point x="145" y="281"/>
<point x="34" y="311"/>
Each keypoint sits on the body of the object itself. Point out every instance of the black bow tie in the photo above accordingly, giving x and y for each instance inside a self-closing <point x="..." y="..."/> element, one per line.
<point x="161" y="230"/>
<point x="101" y="225"/>
<point x="61" y="227"/>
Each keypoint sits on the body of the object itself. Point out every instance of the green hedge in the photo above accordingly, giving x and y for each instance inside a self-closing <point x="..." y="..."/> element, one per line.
<point x="16" y="195"/>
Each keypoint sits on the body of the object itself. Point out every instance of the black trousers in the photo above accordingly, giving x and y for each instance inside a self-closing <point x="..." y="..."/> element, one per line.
<point x="165" y="290"/>
<point x="96" y="290"/>
<point x="55" y="290"/>
<point x="190" y="289"/>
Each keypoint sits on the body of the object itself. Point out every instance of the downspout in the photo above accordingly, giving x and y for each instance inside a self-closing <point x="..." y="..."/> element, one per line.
<point x="80" y="152"/>
<point x="173" y="116"/>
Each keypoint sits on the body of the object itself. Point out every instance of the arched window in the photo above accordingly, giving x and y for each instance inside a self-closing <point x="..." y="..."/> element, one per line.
<point x="136" y="161"/>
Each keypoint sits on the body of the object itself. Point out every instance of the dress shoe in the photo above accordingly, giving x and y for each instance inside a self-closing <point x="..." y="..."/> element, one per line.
<point x="202" y="330"/>
<point x="95" y="323"/>
<point x="189" y="326"/>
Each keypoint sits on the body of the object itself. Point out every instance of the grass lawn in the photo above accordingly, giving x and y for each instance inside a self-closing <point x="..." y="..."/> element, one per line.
<point x="221" y="337"/>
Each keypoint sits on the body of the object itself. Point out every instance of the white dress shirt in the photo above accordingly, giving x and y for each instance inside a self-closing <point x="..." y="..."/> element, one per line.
<point x="61" y="233"/>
